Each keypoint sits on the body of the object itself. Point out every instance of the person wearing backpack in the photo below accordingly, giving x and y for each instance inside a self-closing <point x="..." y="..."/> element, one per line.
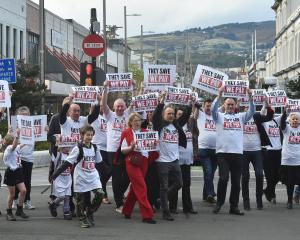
<point x="86" y="177"/>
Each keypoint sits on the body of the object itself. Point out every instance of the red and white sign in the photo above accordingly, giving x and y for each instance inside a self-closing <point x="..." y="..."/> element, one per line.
<point x="157" y="77"/>
<point x="93" y="45"/>
<point x="25" y="124"/>
<point x="276" y="98"/>
<point x="146" y="102"/>
<point x="66" y="141"/>
<point x="294" y="105"/>
<point x="85" y="94"/>
<point x="5" y="100"/>
<point x="208" y="79"/>
<point x="235" y="88"/>
<point x="119" y="82"/>
<point x="258" y="96"/>
<point x="146" y="141"/>
<point x="176" y="95"/>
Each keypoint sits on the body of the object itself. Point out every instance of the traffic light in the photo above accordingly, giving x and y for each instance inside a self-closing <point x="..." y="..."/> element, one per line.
<point x="87" y="74"/>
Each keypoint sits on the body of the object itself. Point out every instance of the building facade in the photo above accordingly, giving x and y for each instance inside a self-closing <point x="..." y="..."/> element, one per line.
<point x="283" y="61"/>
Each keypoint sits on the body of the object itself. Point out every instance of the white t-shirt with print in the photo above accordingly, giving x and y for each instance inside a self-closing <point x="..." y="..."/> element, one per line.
<point x="273" y="131"/>
<point x="100" y="137"/>
<point x="251" y="136"/>
<point x="72" y="128"/>
<point x="115" y="126"/>
<point x="62" y="184"/>
<point x="207" y="131"/>
<point x="186" y="156"/>
<point x="291" y="146"/>
<point x="86" y="176"/>
<point x="26" y="153"/>
<point x="11" y="158"/>
<point x="168" y="144"/>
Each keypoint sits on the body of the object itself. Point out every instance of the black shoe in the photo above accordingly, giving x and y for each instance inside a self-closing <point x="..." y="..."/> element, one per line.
<point x="211" y="199"/>
<point x="10" y="216"/>
<point x="149" y="220"/>
<point x="20" y="212"/>
<point x="269" y="198"/>
<point x="289" y="205"/>
<point x="52" y="208"/>
<point x="217" y="209"/>
<point x="259" y="204"/>
<point x="68" y="216"/>
<point x="167" y="216"/>
<point x="174" y="211"/>
<point x="247" y="205"/>
<point x="236" y="211"/>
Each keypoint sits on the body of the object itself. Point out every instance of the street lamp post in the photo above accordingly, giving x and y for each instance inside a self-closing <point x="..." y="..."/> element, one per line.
<point x="142" y="46"/>
<point x="125" y="37"/>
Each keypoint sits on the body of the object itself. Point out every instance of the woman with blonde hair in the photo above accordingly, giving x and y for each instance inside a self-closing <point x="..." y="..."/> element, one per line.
<point x="136" y="166"/>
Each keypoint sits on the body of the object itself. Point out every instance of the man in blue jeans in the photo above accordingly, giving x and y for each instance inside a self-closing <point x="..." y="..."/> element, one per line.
<point x="207" y="149"/>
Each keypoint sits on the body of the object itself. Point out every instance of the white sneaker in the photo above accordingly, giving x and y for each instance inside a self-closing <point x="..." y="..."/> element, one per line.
<point x="28" y="206"/>
<point x="119" y="209"/>
<point x="15" y="204"/>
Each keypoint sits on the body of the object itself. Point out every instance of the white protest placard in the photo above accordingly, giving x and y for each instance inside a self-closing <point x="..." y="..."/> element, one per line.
<point x="208" y="79"/>
<point x="177" y="95"/>
<point x="5" y="100"/>
<point x="119" y="82"/>
<point x="85" y="94"/>
<point x="146" y="102"/>
<point x="25" y="124"/>
<point x="157" y="77"/>
<point x="244" y="101"/>
<point x="40" y="124"/>
<point x="235" y="88"/>
<point x="258" y="96"/>
<point x="293" y="105"/>
<point x="276" y="98"/>
<point x="66" y="141"/>
<point x="146" y="141"/>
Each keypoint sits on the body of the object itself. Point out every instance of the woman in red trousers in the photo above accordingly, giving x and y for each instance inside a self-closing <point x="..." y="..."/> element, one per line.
<point x="136" y="170"/>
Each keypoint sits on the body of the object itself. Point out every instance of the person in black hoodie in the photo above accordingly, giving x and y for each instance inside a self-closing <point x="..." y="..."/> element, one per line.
<point x="171" y="137"/>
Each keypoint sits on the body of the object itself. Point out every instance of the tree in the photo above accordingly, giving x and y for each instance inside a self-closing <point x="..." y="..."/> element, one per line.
<point x="138" y="76"/>
<point x="28" y="92"/>
<point x="293" y="87"/>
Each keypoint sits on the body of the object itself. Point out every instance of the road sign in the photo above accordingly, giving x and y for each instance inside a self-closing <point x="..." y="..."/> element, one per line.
<point x="8" y="70"/>
<point x="93" y="45"/>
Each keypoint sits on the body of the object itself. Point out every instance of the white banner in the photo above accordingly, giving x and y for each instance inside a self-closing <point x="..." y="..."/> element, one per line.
<point x="5" y="100"/>
<point x="119" y="82"/>
<point x="208" y="79"/>
<point x="25" y="124"/>
<point x="146" y="141"/>
<point x="294" y="105"/>
<point x="258" y="96"/>
<point x="146" y="102"/>
<point x="39" y="125"/>
<point x="66" y="141"/>
<point x="235" y="88"/>
<point x="85" y="94"/>
<point x="176" y="95"/>
<point x="276" y="98"/>
<point x="157" y="77"/>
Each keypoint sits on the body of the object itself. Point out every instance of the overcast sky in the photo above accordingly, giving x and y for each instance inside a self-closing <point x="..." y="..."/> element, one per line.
<point x="163" y="16"/>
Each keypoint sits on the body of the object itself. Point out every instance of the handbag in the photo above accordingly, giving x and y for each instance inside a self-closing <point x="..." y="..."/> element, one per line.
<point x="136" y="158"/>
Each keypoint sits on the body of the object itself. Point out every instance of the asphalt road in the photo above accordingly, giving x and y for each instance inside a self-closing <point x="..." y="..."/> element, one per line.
<point x="274" y="222"/>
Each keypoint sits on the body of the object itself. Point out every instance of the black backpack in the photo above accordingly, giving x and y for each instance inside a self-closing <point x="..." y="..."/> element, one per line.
<point x="80" y="147"/>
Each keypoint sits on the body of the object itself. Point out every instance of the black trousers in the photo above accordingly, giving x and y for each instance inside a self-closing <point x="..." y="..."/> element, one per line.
<point x="187" y="204"/>
<point x="229" y="163"/>
<point x="120" y="180"/>
<point x="271" y="163"/>
<point x="27" y="172"/>
<point x="104" y="179"/>
<point x="152" y="182"/>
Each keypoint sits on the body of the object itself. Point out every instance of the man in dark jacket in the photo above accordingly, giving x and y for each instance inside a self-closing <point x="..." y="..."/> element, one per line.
<point x="171" y="137"/>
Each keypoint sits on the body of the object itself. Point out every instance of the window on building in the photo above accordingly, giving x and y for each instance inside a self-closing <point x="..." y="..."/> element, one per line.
<point x="1" y="41"/>
<point x="21" y="45"/>
<point x="33" y="48"/>
<point x="7" y="42"/>
<point x="14" y="43"/>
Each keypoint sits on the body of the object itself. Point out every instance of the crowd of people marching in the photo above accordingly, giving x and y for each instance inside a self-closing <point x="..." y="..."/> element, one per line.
<point x="224" y="137"/>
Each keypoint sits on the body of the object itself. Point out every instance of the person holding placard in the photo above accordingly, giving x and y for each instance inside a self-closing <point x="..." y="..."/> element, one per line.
<point x="14" y="177"/>
<point x="290" y="162"/>
<point x="171" y="137"/>
<point x="207" y="149"/>
<point x="26" y="155"/>
<point x="186" y="157"/>
<point x="116" y="123"/>
<point x="253" y="153"/>
<point x="137" y="163"/>
<point x="229" y="149"/>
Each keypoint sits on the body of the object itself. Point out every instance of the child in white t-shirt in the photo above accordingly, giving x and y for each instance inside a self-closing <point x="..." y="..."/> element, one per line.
<point x="13" y="177"/>
<point x="61" y="187"/>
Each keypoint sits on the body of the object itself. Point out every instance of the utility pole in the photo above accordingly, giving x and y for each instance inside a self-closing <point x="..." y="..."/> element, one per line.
<point x="141" y="57"/>
<point x="125" y="41"/>
<point x="42" y="49"/>
<point x="105" y="37"/>
<point x="92" y="31"/>
<point x="255" y="59"/>
<point x="156" y="53"/>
